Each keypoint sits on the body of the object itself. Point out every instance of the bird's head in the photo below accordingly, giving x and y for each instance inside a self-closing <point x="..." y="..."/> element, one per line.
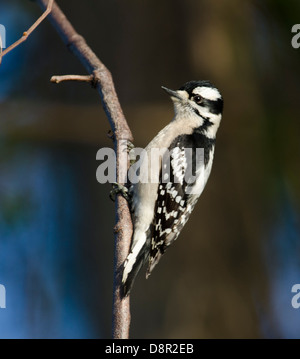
<point x="199" y="102"/>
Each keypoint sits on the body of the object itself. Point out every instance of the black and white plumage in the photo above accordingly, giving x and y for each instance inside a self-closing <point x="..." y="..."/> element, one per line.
<point x="160" y="209"/>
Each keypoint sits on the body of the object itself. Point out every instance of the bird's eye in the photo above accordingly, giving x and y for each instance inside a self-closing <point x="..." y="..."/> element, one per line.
<point x="198" y="99"/>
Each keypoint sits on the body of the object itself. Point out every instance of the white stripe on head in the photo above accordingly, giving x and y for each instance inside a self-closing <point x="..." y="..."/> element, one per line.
<point x="208" y="93"/>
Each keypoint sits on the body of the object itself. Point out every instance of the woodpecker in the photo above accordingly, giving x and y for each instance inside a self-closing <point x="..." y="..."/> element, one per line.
<point x="160" y="209"/>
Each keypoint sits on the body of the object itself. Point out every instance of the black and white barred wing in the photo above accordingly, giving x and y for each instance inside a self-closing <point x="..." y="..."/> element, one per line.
<point x="174" y="203"/>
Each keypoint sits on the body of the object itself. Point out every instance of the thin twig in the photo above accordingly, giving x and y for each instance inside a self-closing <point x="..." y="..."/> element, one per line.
<point x="105" y="86"/>
<point x="83" y="78"/>
<point x="29" y="31"/>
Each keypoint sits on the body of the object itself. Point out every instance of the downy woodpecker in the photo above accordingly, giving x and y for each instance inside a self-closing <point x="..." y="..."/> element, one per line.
<point x="161" y="208"/>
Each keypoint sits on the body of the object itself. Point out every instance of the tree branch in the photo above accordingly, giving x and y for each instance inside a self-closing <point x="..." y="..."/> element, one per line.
<point x="104" y="84"/>
<point x="29" y="31"/>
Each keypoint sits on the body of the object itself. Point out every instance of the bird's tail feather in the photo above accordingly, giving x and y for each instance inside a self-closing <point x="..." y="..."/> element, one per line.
<point x="132" y="266"/>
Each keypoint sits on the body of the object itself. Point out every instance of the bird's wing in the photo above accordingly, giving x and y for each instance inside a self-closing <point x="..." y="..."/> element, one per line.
<point x="172" y="208"/>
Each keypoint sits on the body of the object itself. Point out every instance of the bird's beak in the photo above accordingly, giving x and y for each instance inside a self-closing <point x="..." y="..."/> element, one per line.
<point x="174" y="94"/>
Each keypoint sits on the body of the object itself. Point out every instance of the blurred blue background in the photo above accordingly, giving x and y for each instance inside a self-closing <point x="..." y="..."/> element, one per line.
<point x="231" y="272"/>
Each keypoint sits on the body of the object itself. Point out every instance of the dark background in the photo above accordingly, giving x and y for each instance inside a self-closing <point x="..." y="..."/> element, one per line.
<point x="231" y="271"/>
